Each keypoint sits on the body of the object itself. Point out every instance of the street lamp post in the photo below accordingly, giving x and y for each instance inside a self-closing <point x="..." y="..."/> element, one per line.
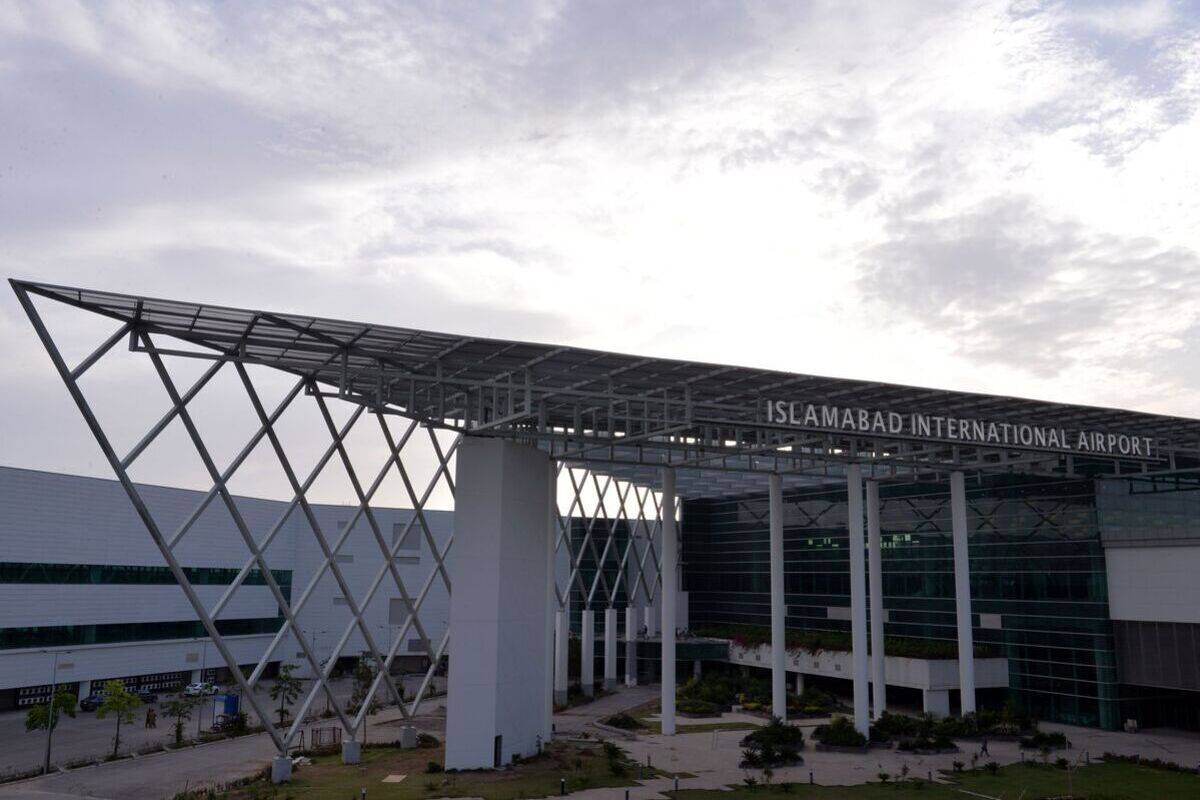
<point x="200" y="705"/>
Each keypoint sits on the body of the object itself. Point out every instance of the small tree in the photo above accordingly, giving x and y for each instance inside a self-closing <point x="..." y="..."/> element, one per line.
<point x="285" y="689"/>
<point x="38" y="716"/>
<point x="180" y="709"/>
<point x="364" y="680"/>
<point x="122" y="704"/>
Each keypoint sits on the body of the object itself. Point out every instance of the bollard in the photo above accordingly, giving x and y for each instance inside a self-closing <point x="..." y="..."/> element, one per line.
<point x="562" y="786"/>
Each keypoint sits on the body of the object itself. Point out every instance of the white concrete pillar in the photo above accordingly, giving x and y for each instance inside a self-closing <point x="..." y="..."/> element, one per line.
<point x="85" y="689"/>
<point x="799" y="683"/>
<point x="351" y="751"/>
<point x="778" y="609"/>
<point x="670" y="559"/>
<point x="962" y="592"/>
<point x="697" y="667"/>
<point x="875" y="579"/>
<point x="562" y="641"/>
<point x="610" y="649"/>
<point x="496" y="702"/>
<point x="858" y="597"/>
<point x="551" y="601"/>
<point x="631" y="629"/>
<point x="936" y="702"/>
<point x="650" y="620"/>
<point x="196" y="677"/>
<point x="587" y="652"/>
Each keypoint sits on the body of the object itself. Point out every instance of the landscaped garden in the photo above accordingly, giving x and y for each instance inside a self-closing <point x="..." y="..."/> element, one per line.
<point x="1111" y="779"/>
<point x="417" y="774"/>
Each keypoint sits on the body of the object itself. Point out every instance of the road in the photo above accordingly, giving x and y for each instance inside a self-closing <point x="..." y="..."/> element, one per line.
<point x="87" y="737"/>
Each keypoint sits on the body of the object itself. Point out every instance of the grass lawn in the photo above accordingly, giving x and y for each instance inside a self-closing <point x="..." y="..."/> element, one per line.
<point x="646" y="711"/>
<point x="1030" y="782"/>
<point x="585" y="766"/>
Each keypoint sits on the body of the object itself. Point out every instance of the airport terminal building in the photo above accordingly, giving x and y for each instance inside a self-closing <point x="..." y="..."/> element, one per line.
<point x="1019" y="552"/>
<point x="79" y="576"/>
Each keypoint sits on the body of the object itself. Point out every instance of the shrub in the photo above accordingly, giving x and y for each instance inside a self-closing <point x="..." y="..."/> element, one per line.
<point x="426" y="741"/>
<point x="698" y="707"/>
<point x="894" y="726"/>
<point x="1041" y="740"/>
<point x="776" y="744"/>
<point x="624" y="721"/>
<point x="840" y="733"/>
<point x="433" y="767"/>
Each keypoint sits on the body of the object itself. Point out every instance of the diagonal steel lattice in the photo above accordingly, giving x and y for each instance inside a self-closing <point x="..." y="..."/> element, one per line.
<point x="305" y="386"/>
<point x="645" y="524"/>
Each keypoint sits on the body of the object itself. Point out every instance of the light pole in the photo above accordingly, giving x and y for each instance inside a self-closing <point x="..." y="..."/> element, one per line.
<point x="200" y="704"/>
<point x="50" y="713"/>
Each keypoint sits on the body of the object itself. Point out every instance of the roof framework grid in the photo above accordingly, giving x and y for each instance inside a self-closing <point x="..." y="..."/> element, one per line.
<point x="631" y="415"/>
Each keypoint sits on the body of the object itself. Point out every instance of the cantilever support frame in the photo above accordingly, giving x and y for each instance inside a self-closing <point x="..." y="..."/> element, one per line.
<point x="257" y="545"/>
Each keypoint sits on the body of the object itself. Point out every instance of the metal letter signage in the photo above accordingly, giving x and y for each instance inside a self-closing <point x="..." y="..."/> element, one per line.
<point x="891" y="424"/>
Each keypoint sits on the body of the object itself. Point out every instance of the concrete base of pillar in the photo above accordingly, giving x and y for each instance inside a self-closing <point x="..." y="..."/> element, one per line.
<point x="351" y="751"/>
<point x="936" y="702"/>
<point x="408" y="737"/>
<point x="610" y="684"/>
<point x="560" y="697"/>
<point x="799" y="683"/>
<point x="281" y="769"/>
<point x="696" y="669"/>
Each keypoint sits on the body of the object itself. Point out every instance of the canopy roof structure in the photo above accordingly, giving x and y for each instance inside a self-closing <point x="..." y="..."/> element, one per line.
<point x="723" y="427"/>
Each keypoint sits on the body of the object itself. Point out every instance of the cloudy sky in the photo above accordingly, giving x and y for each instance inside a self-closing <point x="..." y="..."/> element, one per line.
<point x="993" y="196"/>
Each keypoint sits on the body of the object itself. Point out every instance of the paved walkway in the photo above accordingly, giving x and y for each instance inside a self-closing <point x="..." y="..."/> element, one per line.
<point x="712" y="757"/>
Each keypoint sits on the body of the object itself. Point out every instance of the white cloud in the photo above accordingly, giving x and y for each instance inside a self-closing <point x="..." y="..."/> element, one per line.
<point x="720" y="183"/>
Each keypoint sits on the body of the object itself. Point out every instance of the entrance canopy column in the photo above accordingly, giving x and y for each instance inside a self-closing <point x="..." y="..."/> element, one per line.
<point x="875" y="570"/>
<point x="962" y="592"/>
<point x="858" y="596"/>
<point x="778" y="609"/>
<point x="670" y="558"/>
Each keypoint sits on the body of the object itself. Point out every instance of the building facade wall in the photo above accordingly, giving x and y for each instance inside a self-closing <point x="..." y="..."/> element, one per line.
<point x="1038" y="585"/>
<point x="80" y="575"/>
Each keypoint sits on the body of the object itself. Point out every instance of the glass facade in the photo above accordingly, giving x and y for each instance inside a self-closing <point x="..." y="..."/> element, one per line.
<point x="64" y="635"/>
<point x="67" y="635"/>
<point x="26" y="572"/>
<point x="1037" y="567"/>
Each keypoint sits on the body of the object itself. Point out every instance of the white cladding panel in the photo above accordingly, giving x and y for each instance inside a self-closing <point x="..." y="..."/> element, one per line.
<point x="65" y="519"/>
<point x="1154" y="584"/>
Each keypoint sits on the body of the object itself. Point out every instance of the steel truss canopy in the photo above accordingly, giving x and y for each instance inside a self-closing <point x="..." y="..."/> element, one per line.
<point x="724" y="427"/>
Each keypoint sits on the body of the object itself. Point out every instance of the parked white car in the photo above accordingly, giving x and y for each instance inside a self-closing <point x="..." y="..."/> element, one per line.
<point x="200" y="689"/>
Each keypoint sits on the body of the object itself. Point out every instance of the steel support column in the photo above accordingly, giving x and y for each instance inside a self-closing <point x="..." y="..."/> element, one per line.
<point x="552" y="610"/>
<point x="587" y="652"/>
<point x="670" y="560"/>
<point x="962" y="592"/>
<point x="778" y="609"/>
<point x="631" y="626"/>
<point x="562" y="638"/>
<point x="875" y="573"/>
<point x="858" y="596"/>
<point x="610" y="649"/>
